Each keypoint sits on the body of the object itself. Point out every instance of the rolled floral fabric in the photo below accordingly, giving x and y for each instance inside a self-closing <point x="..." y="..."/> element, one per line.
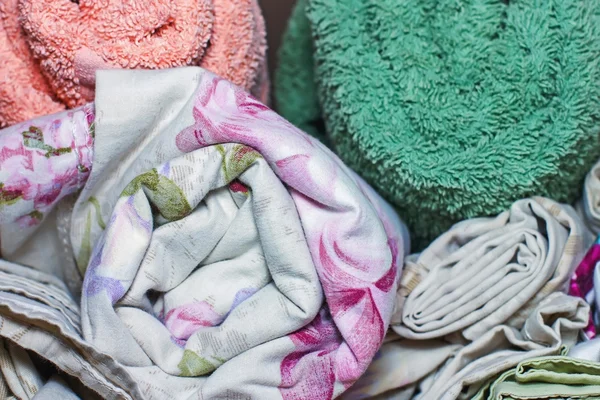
<point x="488" y="271"/>
<point x="213" y="235"/>
<point x="43" y="162"/>
<point x="451" y="368"/>
<point x="546" y="378"/>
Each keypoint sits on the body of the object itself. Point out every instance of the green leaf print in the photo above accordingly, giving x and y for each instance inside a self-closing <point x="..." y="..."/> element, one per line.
<point x="9" y="197"/>
<point x="164" y="194"/>
<point x="36" y="215"/>
<point x="237" y="160"/>
<point x="96" y="205"/>
<point x="85" y="251"/>
<point x="34" y="139"/>
<point x="192" y="364"/>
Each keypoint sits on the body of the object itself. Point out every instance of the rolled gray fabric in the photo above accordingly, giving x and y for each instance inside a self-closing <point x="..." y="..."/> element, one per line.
<point x="488" y="271"/>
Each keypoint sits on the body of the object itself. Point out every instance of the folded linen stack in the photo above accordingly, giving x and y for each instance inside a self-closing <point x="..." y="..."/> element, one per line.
<point x="546" y="378"/>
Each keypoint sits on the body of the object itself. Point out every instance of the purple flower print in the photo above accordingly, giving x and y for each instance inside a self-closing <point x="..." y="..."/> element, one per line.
<point x="95" y="284"/>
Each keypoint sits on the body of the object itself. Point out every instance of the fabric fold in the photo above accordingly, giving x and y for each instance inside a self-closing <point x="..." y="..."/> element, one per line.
<point x="484" y="296"/>
<point x="39" y="317"/>
<point x="589" y="205"/>
<point x="546" y="378"/>
<point x="451" y="369"/>
<point x="585" y="283"/>
<point x="212" y="235"/>
<point x="586" y="277"/>
<point x="489" y="271"/>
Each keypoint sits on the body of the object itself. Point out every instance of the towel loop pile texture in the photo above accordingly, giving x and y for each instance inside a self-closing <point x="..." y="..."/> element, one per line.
<point x="450" y="109"/>
<point x="51" y="49"/>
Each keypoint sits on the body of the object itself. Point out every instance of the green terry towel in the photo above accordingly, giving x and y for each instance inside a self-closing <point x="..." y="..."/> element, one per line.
<point x="451" y="108"/>
<point x="546" y="378"/>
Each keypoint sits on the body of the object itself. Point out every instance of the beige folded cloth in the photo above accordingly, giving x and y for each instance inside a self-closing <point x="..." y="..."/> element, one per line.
<point x="488" y="271"/>
<point x="484" y="296"/>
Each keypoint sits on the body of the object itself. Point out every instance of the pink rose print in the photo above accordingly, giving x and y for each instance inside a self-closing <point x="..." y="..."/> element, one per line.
<point x="340" y="343"/>
<point x="208" y="131"/>
<point x="238" y="187"/>
<point x="330" y="356"/>
<point x="303" y="371"/>
<point x="582" y="281"/>
<point x="43" y="161"/>
<point x="185" y="320"/>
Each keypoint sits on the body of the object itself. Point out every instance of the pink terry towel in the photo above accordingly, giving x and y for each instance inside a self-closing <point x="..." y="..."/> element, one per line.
<point x="52" y="48"/>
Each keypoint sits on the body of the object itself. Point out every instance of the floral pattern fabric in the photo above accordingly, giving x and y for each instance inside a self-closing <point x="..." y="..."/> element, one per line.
<point x="231" y="255"/>
<point x="583" y="283"/>
<point x="43" y="161"/>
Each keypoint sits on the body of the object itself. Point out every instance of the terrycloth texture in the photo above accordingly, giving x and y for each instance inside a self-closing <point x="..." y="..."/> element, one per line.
<point x="296" y="97"/>
<point x="453" y="109"/>
<point x="546" y="378"/>
<point x="451" y="369"/>
<point x="24" y="92"/>
<point x="263" y="266"/>
<point x="67" y="42"/>
<point x="488" y="271"/>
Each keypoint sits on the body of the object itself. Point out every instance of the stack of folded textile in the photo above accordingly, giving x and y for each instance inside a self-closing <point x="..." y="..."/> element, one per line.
<point x="175" y="238"/>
